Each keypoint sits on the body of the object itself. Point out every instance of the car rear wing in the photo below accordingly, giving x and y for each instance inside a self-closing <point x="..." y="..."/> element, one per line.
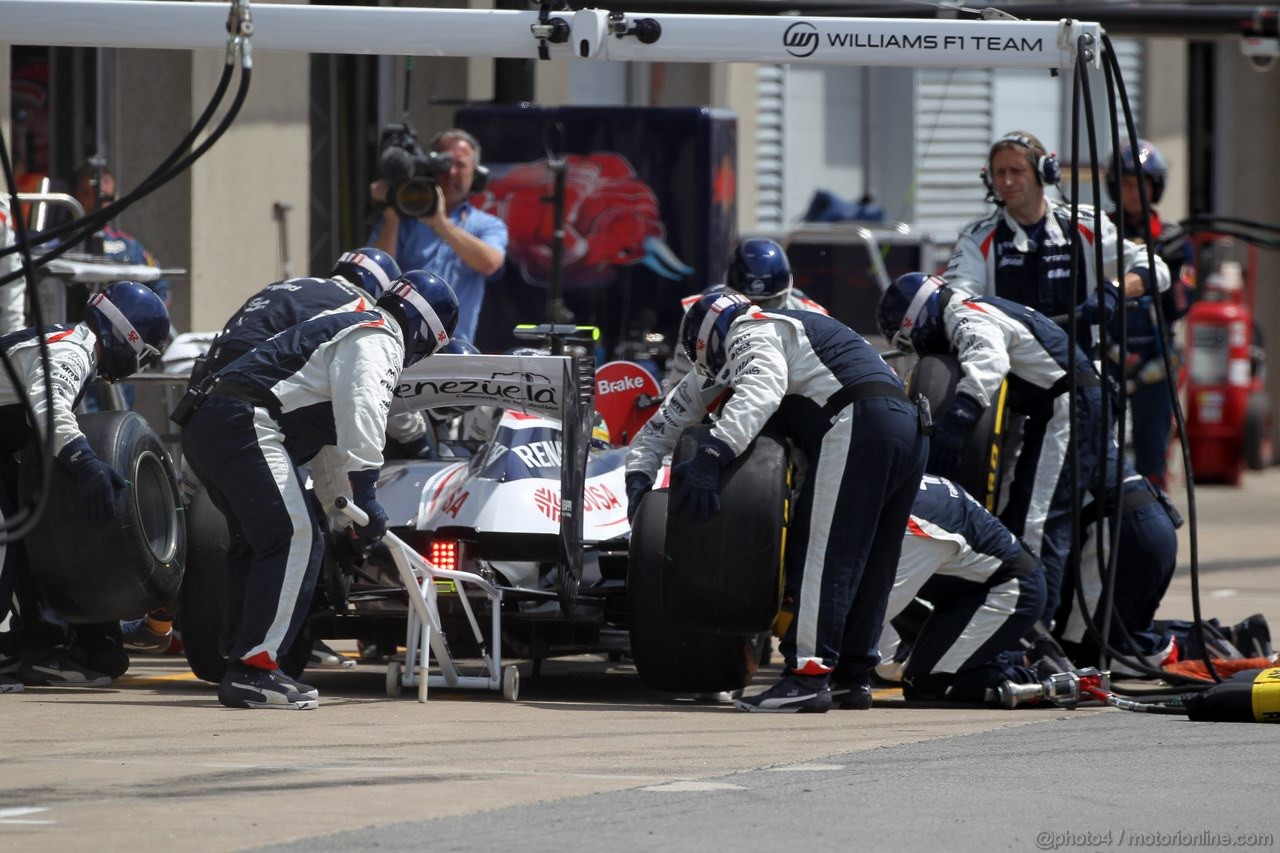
<point x="556" y="386"/>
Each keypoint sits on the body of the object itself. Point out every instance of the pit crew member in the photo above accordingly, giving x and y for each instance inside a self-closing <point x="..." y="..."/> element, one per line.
<point x="987" y="591"/>
<point x="124" y="328"/>
<point x="831" y="394"/>
<point x="759" y="270"/>
<point x="1150" y="403"/>
<point x="1020" y="252"/>
<point x="995" y="339"/>
<point x="327" y="381"/>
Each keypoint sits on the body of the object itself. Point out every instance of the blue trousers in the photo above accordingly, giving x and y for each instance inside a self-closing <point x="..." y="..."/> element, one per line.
<point x="865" y="465"/>
<point x="1040" y="499"/>
<point x="275" y="546"/>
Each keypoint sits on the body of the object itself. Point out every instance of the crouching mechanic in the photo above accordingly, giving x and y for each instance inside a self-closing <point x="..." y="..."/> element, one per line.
<point x="125" y="326"/>
<point x="325" y="382"/>
<point x="995" y="339"/>
<point x="832" y="395"/>
<point x="987" y="592"/>
<point x="760" y="271"/>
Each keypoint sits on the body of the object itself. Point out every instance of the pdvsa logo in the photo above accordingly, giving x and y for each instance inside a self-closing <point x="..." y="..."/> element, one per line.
<point x="800" y="39"/>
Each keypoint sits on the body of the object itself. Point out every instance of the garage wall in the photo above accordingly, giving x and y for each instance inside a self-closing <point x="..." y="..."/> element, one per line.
<point x="1248" y="182"/>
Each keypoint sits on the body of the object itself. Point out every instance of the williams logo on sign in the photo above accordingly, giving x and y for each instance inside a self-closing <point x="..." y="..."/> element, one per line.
<point x="800" y="39"/>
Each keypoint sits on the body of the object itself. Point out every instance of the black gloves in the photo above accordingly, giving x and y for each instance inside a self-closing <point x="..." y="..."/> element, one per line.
<point x="100" y="484"/>
<point x="946" y="446"/>
<point x="696" y="481"/>
<point x="364" y="493"/>
<point x="637" y="484"/>
<point x="1089" y="310"/>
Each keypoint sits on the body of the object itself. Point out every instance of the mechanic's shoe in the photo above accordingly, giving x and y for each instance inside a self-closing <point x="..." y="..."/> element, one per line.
<point x="852" y="695"/>
<point x="140" y="637"/>
<point x="805" y="694"/>
<point x="10" y="685"/>
<point x="247" y="686"/>
<point x="1252" y="637"/>
<point x="55" y="668"/>
<point x="322" y="655"/>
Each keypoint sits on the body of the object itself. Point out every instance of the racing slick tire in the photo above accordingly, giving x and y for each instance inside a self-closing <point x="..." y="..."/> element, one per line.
<point x="95" y="573"/>
<point x="935" y="378"/>
<point x="723" y="574"/>
<point x="667" y="655"/>
<point x="1258" y="454"/>
<point x="204" y="594"/>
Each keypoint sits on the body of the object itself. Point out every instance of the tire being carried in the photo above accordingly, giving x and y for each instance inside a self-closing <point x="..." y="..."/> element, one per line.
<point x="93" y="573"/>
<point x="203" y="600"/>
<point x="667" y="655"/>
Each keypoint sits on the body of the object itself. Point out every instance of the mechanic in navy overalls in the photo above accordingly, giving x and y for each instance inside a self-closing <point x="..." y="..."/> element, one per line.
<point x="830" y="394"/>
<point x="995" y="339"/>
<point x="125" y="326"/>
<point x="358" y="279"/>
<point x="1145" y="559"/>
<point x="355" y="283"/>
<point x="1150" y="403"/>
<point x="759" y="270"/>
<point x="325" y="382"/>
<point x="986" y="589"/>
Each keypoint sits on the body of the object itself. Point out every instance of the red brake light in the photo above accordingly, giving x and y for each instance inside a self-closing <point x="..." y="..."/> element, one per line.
<point x="443" y="554"/>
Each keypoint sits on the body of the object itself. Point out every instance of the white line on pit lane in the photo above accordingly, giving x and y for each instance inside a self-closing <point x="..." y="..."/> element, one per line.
<point x="353" y="768"/>
<point x="13" y="816"/>
<point x="689" y="787"/>
<point x="800" y="768"/>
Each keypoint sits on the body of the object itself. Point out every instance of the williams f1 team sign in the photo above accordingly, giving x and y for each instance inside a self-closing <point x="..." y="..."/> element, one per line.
<point x="593" y="34"/>
<point x="865" y="41"/>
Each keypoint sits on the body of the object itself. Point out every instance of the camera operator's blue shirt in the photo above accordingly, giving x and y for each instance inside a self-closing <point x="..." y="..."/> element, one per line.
<point x="420" y="248"/>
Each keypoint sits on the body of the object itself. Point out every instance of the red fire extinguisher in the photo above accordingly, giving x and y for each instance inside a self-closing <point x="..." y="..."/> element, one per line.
<point x="1228" y="414"/>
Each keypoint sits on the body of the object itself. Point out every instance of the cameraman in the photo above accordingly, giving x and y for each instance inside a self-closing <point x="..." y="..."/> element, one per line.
<point x="458" y="242"/>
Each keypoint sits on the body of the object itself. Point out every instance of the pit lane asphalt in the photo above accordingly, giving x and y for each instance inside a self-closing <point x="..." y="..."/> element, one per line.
<point x="154" y="761"/>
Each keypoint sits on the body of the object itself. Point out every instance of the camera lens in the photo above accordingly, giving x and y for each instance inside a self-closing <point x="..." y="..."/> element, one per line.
<point x="414" y="197"/>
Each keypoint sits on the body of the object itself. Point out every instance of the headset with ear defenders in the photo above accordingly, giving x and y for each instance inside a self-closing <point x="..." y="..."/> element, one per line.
<point x="1046" y="167"/>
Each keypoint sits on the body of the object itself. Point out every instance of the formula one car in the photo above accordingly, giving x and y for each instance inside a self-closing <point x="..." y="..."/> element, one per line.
<point x="533" y="509"/>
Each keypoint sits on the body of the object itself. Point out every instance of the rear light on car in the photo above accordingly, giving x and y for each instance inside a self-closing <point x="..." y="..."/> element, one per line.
<point x="443" y="554"/>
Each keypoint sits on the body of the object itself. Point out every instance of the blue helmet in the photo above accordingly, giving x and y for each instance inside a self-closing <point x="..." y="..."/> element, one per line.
<point x="1150" y="163"/>
<point x="457" y="346"/>
<point x="427" y="309"/>
<point x="760" y="271"/>
<point x="132" y="326"/>
<point x="706" y="326"/>
<point x="910" y="313"/>
<point x="368" y="268"/>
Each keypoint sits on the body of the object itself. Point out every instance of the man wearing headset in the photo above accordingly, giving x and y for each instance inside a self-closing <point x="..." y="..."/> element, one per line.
<point x="1021" y="252"/>
<point x="458" y="242"/>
